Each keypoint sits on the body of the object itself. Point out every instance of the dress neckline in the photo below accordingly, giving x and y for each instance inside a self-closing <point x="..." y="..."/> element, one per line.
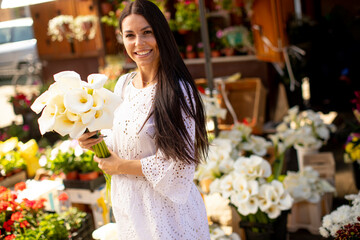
<point x="139" y="89"/>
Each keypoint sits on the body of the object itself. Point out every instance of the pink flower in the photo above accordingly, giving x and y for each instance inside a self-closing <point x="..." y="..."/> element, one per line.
<point x="26" y="128"/>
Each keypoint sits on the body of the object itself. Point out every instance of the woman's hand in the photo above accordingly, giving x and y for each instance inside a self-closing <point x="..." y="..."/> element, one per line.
<point x="111" y="165"/>
<point x="86" y="141"/>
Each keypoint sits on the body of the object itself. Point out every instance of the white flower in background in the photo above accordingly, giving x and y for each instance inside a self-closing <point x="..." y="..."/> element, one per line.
<point x="258" y="145"/>
<point x="253" y="167"/>
<point x="248" y="190"/>
<point x="61" y="27"/>
<point x="216" y="233"/>
<point x="305" y="128"/>
<point x="70" y="106"/>
<point x="306" y="185"/>
<point x="334" y="223"/>
<point x="212" y="107"/>
<point x="85" y="27"/>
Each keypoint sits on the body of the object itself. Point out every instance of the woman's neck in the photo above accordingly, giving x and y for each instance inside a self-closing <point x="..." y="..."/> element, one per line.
<point x="145" y="77"/>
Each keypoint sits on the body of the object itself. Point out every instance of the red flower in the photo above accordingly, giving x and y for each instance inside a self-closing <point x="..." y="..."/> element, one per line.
<point x="39" y="204"/>
<point x="28" y="203"/>
<point x="20" y="186"/>
<point x="16" y="216"/>
<point x="63" y="196"/>
<point x="10" y="237"/>
<point x="24" y="224"/>
<point x="3" y="206"/>
<point x="8" y="225"/>
<point x="3" y="189"/>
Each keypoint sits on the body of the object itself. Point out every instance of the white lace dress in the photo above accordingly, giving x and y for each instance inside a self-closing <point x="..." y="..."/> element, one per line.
<point x="165" y="204"/>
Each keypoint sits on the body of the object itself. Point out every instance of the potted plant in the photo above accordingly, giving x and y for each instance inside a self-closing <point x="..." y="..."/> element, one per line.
<point x="190" y="53"/>
<point x="187" y="17"/>
<point x="200" y="50"/>
<point x="89" y="169"/>
<point x="11" y="160"/>
<point x="64" y="158"/>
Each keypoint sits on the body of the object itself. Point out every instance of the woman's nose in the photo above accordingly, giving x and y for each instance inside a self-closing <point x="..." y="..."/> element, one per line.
<point x="139" y="41"/>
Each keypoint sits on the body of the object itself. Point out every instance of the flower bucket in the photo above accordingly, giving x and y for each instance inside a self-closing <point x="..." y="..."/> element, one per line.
<point x="275" y="230"/>
<point x="302" y="151"/>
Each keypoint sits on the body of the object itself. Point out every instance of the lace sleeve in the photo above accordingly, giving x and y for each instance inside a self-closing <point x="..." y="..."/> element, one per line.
<point x="169" y="177"/>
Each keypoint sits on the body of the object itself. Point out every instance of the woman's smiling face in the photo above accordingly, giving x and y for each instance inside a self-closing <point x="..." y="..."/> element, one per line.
<point x="139" y="41"/>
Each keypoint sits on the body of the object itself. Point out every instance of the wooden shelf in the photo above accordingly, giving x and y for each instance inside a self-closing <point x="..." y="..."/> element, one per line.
<point x="221" y="59"/>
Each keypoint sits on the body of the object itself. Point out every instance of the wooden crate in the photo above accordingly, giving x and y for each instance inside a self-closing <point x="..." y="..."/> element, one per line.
<point x="308" y="215"/>
<point x="324" y="163"/>
<point x="248" y="99"/>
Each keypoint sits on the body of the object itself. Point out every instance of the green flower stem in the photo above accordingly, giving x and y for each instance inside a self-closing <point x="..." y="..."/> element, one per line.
<point x="102" y="151"/>
<point x="252" y="219"/>
<point x="278" y="166"/>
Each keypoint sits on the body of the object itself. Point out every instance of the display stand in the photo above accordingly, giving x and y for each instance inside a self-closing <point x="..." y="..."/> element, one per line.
<point x="95" y="199"/>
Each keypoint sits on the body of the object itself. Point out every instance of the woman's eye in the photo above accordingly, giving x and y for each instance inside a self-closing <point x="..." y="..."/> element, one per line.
<point x="148" y="32"/>
<point x="129" y="35"/>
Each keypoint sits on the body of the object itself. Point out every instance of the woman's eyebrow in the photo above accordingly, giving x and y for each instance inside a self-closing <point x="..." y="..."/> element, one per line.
<point x="144" y="28"/>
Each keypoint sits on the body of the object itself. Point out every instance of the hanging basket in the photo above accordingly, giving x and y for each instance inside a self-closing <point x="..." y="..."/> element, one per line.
<point x="276" y="230"/>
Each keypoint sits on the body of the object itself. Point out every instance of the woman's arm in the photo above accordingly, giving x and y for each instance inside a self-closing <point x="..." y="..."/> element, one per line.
<point x="114" y="165"/>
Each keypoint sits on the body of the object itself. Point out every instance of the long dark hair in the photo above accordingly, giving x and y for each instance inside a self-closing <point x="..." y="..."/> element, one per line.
<point x="171" y="133"/>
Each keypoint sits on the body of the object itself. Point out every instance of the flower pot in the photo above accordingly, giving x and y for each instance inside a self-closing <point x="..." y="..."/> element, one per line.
<point x="302" y="151"/>
<point x="215" y="53"/>
<point x="229" y="51"/>
<point x="275" y="230"/>
<point x="183" y="31"/>
<point x="71" y="175"/>
<point x="88" y="176"/>
<point x="356" y="173"/>
<point x="201" y="54"/>
<point x="190" y="55"/>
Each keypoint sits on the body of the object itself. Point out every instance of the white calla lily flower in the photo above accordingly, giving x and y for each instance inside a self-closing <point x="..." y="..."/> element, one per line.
<point x="252" y="205"/>
<point x="286" y="201"/>
<point x="273" y="211"/>
<point x="95" y="81"/>
<point x="40" y="102"/>
<point x="98" y="102"/>
<point x="78" y="101"/>
<point x="111" y="100"/>
<point x="58" y="100"/>
<point x="47" y="119"/>
<point x="78" y="130"/>
<point x="89" y="116"/>
<point x="72" y="116"/>
<point x="103" y="120"/>
<point x="63" y="125"/>
<point x="66" y="75"/>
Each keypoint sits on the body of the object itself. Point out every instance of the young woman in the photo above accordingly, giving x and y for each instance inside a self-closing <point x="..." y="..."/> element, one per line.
<point x="158" y="136"/>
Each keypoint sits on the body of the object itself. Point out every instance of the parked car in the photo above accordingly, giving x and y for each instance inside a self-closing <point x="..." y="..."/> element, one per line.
<point x="18" y="47"/>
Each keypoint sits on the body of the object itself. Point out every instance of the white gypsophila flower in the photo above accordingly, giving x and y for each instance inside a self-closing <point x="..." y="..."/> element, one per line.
<point x="324" y="232"/>
<point x="327" y="221"/>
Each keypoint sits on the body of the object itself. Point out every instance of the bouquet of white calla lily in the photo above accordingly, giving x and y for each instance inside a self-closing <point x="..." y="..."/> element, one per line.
<point x="70" y="106"/>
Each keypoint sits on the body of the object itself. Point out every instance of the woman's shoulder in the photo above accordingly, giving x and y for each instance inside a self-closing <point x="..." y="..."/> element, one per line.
<point x="120" y="83"/>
